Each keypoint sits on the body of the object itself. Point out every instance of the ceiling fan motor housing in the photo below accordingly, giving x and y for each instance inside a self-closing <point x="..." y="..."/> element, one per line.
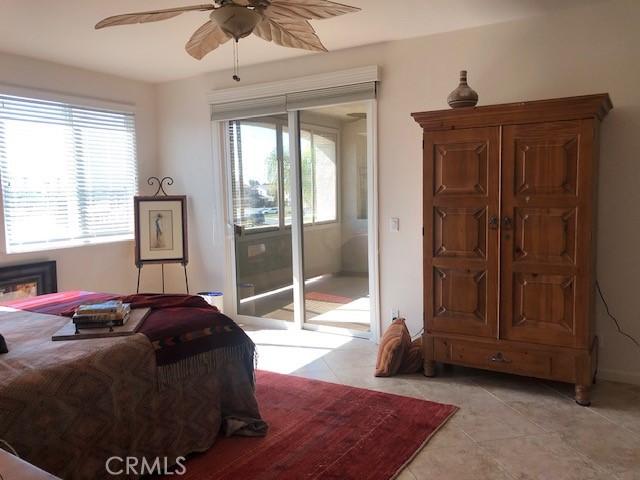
<point x="235" y="20"/>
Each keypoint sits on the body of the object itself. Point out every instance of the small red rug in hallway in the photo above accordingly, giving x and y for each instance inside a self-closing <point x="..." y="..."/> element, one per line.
<point x="320" y="430"/>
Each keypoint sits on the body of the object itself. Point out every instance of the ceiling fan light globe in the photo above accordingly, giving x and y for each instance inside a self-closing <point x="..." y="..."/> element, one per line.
<point x="235" y="20"/>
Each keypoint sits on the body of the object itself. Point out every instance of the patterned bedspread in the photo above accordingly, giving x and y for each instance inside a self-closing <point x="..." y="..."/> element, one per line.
<point x="69" y="406"/>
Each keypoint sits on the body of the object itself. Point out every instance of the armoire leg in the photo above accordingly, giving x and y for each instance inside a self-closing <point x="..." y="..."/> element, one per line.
<point x="583" y="395"/>
<point x="429" y="368"/>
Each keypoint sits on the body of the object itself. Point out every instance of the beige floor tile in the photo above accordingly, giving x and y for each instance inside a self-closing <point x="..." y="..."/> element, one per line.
<point x="527" y="429"/>
<point x="611" y="447"/>
<point x="456" y="463"/>
<point x="563" y="388"/>
<point x="450" y="436"/>
<point x="629" y="475"/>
<point x="619" y="402"/>
<point x="355" y="357"/>
<point x="317" y="370"/>
<point x="512" y="388"/>
<point x="541" y="457"/>
<point x="399" y="389"/>
<point x="553" y="414"/>
<point x="457" y="391"/>
<point x="406" y="475"/>
<point x="363" y="377"/>
<point x="494" y="422"/>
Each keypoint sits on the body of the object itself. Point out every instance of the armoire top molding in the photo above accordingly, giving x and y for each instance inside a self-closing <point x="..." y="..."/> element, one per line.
<point x="570" y="108"/>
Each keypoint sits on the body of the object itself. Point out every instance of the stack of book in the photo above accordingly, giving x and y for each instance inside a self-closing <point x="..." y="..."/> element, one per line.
<point x="113" y="313"/>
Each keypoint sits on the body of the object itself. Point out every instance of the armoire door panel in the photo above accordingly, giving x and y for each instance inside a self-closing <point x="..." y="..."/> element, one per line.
<point x="546" y="160"/>
<point x="460" y="232"/>
<point x="544" y="302"/>
<point x="460" y="168"/>
<point x="461" y="209"/>
<point x="544" y="197"/>
<point x="460" y="299"/>
<point x="545" y="235"/>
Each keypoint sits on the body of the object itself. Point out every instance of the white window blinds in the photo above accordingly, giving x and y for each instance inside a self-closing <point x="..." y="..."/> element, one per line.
<point x="69" y="174"/>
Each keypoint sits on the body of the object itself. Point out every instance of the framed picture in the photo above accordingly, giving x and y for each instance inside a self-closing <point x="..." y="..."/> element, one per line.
<point x="29" y="280"/>
<point x="161" y="229"/>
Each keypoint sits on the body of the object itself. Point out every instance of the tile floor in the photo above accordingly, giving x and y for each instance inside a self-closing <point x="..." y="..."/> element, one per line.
<point x="353" y="314"/>
<point x="508" y="427"/>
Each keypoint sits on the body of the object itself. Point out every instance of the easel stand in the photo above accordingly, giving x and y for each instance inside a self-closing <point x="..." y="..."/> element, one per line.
<point x="156" y="198"/>
<point x="186" y="279"/>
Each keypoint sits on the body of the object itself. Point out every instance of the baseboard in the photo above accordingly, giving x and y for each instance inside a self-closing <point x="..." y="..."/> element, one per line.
<point x="622" y="376"/>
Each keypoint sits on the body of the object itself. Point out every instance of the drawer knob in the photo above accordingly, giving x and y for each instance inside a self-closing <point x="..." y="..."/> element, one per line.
<point x="499" y="358"/>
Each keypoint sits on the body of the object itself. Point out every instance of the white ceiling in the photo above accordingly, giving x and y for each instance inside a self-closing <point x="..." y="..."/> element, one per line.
<point x="62" y="31"/>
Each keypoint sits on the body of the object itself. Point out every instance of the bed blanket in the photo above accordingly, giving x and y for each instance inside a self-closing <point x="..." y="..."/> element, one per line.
<point x="69" y="406"/>
<point x="189" y="336"/>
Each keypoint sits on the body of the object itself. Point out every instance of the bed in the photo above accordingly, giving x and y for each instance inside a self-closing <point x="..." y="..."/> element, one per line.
<point x="167" y="391"/>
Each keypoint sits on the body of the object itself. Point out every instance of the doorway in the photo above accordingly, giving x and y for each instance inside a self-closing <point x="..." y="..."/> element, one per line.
<point x="300" y="208"/>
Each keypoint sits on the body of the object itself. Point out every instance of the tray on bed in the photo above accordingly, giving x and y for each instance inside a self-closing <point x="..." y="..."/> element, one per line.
<point x="68" y="332"/>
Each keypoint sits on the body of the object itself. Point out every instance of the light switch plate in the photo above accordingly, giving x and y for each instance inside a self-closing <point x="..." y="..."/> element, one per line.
<point x="395" y="224"/>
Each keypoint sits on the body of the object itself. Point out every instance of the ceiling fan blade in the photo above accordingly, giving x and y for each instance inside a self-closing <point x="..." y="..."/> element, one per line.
<point x="290" y="33"/>
<point x="206" y="39"/>
<point x="307" y="9"/>
<point x="151" y="16"/>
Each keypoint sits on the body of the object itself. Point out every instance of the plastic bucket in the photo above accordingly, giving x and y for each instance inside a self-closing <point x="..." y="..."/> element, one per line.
<point x="215" y="299"/>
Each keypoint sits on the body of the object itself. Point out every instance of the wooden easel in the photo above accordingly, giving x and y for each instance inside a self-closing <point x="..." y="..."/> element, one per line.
<point x="186" y="279"/>
<point x="160" y="192"/>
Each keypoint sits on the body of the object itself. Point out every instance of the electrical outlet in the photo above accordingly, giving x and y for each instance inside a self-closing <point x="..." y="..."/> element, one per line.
<point x="395" y="313"/>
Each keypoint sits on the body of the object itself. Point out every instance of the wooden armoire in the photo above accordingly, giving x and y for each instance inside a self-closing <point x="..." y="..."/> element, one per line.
<point x="509" y="211"/>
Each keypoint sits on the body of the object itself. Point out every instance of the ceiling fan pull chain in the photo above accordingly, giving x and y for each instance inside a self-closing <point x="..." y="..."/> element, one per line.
<point x="236" y="63"/>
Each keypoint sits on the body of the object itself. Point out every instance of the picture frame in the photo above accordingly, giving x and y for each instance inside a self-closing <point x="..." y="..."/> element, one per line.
<point x="28" y="280"/>
<point x="161" y="229"/>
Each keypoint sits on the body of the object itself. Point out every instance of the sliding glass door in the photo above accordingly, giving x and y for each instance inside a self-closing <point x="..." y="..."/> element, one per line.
<point x="261" y="209"/>
<point x="333" y="143"/>
<point x="299" y="188"/>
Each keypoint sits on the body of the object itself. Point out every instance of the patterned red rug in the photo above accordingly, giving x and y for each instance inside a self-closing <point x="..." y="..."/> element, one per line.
<point x="321" y="430"/>
<point x="328" y="297"/>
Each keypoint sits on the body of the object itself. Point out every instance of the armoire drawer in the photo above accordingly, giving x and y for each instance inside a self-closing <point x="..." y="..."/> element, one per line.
<point x="499" y="357"/>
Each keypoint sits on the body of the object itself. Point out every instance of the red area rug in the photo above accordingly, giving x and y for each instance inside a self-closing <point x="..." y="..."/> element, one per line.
<point x="321" y="430"/>
<point x="328" y="297"/>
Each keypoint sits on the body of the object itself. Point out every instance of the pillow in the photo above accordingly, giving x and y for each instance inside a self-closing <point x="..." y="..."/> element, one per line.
<point x="3" y="345"/>
<point x="412" y="358"/>
<point x="395" y="341"/>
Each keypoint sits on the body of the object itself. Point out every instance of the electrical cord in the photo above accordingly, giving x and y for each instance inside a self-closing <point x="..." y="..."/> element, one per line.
<point x="615" y="320"/>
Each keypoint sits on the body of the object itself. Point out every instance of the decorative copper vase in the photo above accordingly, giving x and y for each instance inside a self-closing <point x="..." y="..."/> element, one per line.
<point x="464" y="95"/>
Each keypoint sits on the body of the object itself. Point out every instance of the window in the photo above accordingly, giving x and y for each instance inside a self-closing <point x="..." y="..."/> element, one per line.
<point x="319" y="176"/>
<point x="261" y="173"/>
<point x="69" y="174"/>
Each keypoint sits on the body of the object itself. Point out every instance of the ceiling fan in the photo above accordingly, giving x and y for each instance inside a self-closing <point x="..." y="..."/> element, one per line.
<point x="283" y="22"/>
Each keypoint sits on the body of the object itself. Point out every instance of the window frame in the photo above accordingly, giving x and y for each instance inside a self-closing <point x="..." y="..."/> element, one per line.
<point x="280" y="125"/>
<point x="85" y="103"/>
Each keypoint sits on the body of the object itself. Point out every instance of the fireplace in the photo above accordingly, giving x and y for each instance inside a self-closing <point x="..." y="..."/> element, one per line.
<point x="27" y="280"/>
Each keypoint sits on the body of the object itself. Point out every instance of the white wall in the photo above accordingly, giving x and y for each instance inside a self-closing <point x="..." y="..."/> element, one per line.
<point x="107" y="267"/>
<point x="582" y="51"/>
